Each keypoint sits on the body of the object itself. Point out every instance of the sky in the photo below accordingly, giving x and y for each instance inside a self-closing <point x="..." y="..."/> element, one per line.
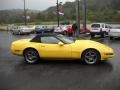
<point x="30" y="4"/>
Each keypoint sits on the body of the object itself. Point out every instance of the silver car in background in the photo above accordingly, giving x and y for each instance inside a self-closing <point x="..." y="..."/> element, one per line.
<point x="22" y="29"/>
<point x="44" y="29"/>
<point x="114" y="32"/>
<point x="61" y="29"/>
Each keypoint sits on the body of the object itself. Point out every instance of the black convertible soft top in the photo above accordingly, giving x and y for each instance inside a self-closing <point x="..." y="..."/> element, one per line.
<point x="47" y="34"/>
<point x="38" y="36"/>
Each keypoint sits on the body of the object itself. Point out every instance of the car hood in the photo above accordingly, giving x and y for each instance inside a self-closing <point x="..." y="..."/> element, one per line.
<point x="92" y="44"/>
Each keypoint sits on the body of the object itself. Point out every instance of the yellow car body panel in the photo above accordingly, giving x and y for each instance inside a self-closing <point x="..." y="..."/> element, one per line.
<point x="82" y="45"/>
<point x="67" y="51"/>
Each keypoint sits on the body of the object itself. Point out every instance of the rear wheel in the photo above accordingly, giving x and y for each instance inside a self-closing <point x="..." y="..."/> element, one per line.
<point x="111" y="38"/>
<point x="92" y="35"/>
<point x="31" y="56"/>
<point x="103" y="34"/>
<point x="19" y="32"/>
<point x="65" y="32"/>
<point x="12" y="32"/>
<point x="90" y="56"/>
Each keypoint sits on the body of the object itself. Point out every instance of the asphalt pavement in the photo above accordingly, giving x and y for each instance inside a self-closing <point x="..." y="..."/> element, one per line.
<point x="15" y="74"/>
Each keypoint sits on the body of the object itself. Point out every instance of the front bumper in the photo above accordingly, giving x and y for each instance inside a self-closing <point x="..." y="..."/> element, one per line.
<point x="106" y="56"/>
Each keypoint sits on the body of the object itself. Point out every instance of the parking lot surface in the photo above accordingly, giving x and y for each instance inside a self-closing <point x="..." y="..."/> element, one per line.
<point x="15" y="74"/>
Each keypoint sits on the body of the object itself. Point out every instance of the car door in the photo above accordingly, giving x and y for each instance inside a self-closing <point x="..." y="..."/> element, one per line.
<point x="49" y="48"/>
<point x="107" y="28"/>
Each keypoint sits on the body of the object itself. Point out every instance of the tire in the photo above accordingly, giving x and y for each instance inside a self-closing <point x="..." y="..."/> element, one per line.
<point x="92" y="35"/>
<point x="103" y="34"/>
<point x="31" y="56"/>
<point x="106" y="33"/>
<point x="65" y="33"/>
<point x="12" y="32"/>
<point x="19" y="33"/>
<point x="90" y="56"/>
<point x="111" y="38"/>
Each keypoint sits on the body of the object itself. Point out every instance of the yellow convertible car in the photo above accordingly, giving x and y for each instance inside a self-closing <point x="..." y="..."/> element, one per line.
<point x="59" y="47"/>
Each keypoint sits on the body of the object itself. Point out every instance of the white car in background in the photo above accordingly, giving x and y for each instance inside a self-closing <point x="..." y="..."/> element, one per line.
<point x="61" y="29"/>
<point x="99" y="29"/>
<point x="114" y="32"/>
<point x="58" y="29"/>
<point x="22" y="29"/>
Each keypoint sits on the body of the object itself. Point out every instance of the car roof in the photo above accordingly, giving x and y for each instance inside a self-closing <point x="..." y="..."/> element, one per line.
<point x="98" y="23"/>
<point x="47" y="34"/>
<point x="38" y="36"/>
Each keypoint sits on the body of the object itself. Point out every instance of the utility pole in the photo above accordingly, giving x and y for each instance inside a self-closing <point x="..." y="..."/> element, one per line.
<point x="78" y="16"/>
<point x="25" y="21"/>
<point x="84" y="15"/>
<point x="58" y="18"/>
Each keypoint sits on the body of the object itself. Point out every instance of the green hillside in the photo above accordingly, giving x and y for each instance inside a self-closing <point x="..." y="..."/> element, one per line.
<point x="97" y="11"/>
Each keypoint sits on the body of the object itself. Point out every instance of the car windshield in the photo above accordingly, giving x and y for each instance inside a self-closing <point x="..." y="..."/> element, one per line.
<point x="95" y="26"/>
<point x="65" y="39"/>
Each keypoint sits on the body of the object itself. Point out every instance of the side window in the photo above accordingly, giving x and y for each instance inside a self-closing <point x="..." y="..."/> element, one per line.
<point x="49" y="40"/>
<point x="102" y="25"/>
<point x="36" y="39"/>
<point x="106" y="26"/>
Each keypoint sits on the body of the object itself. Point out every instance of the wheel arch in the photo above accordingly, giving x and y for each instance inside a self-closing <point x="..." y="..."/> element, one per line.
<point x="31" y="60"/>
<point x="30" y="48"/>
<point x="91" y="49"/>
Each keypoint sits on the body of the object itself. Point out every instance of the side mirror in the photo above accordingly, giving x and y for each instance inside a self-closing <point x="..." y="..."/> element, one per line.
<point x="60" y="44"/>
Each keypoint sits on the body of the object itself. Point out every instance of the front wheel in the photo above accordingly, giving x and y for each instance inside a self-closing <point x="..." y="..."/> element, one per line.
<point x="31" y="56"/>
<point x="92" y="35"/>
<point x="19" y="32"/>
<point x="90" y="56"/>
